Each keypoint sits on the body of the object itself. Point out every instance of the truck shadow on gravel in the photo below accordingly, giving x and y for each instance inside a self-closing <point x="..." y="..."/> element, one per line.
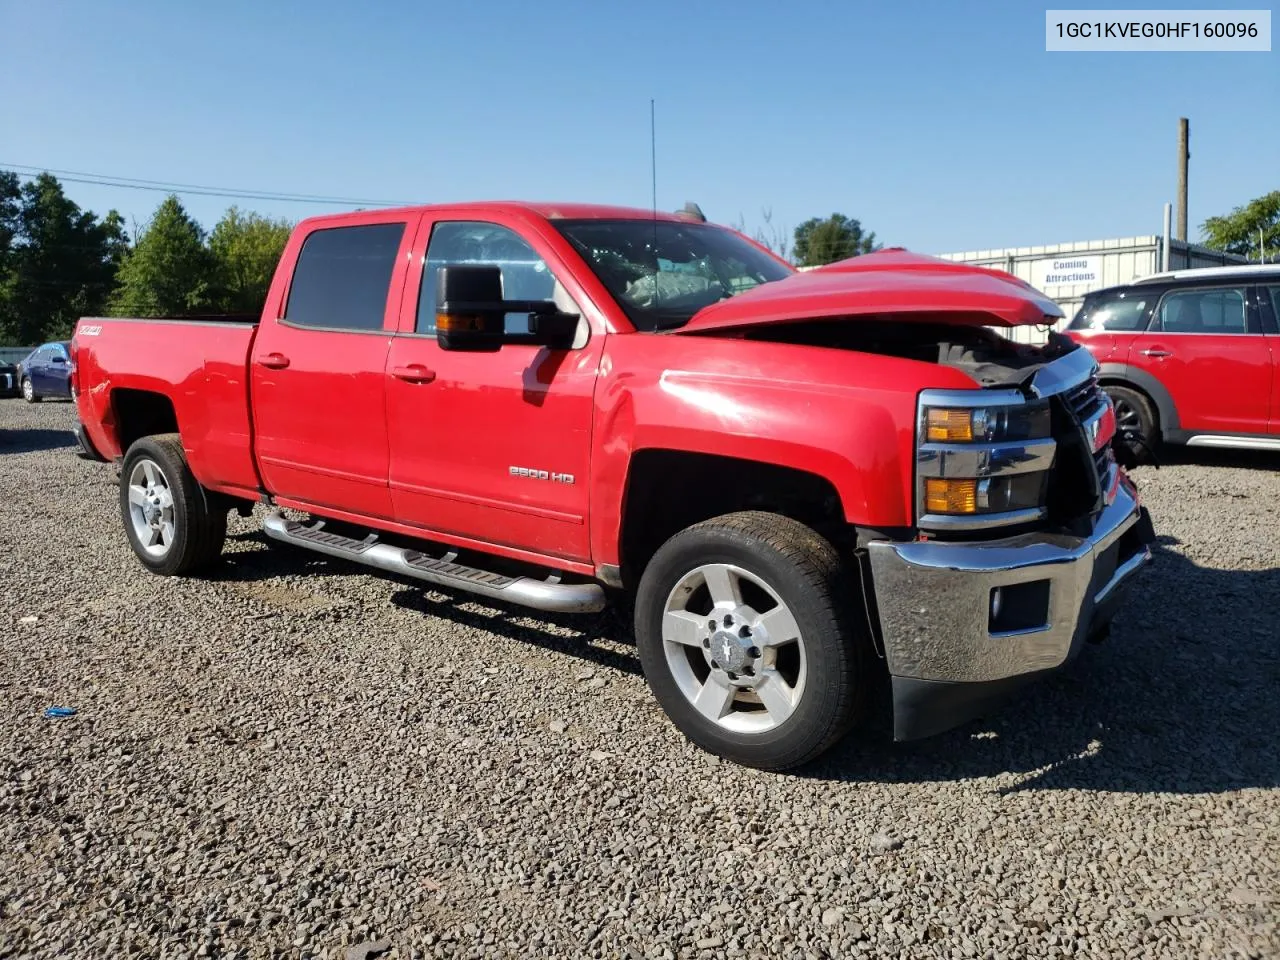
<point x="1182" y="698"/>
<point x="34" y="440"/>
<point x="575" y="635"/>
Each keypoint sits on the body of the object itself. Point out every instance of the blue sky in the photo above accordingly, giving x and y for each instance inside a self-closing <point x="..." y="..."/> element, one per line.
<point x="942" y="126"/>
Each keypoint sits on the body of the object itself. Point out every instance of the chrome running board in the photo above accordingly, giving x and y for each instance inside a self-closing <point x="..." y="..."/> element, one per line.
<point x="550" y="594"/>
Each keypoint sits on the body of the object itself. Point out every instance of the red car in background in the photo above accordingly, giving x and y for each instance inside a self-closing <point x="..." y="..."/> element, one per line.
<point x="1190" y="356"/>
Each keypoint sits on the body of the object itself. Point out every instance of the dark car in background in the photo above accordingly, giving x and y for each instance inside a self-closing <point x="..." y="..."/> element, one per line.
<point x="9" y="377"/>
<point x="46" y="373"/>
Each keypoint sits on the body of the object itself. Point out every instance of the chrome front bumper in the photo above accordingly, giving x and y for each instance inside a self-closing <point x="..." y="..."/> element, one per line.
<point x="946" y="651"/>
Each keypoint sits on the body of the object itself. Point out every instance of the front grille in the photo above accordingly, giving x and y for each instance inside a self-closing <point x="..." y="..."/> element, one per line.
<point x="1079" y="482"/>
<point x="1085" y="398"/>
<point x="1084" y="401"/>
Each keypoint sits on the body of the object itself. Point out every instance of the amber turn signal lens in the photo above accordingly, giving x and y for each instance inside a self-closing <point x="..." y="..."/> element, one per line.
<point x="950" y="496"/>
<point x="450" y="322"/>
<point x="944" y="425"/>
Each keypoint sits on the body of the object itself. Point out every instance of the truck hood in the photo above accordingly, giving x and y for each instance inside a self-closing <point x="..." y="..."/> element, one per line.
<point x="888" y="285"/>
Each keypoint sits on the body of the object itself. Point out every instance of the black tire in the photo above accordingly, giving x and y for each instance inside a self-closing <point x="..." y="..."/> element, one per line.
<point x="1135" y="413"/>
<point x="199" y="517"/>
<point x="28" y="391"/>
<point x="806" y="573"/>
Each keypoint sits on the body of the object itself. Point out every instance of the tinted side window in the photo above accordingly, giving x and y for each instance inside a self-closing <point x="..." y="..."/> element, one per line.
<point x="1272" y="294"/>
<point x="1203" y="311"/>
<point x="1121" y="311"/>
<point x="525" y="275"/>
<point x="342" y="277"/>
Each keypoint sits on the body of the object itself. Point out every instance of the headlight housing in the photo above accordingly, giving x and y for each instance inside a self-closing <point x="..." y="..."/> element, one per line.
<point x="1030" y="421"/>
<point x="982" y="459"/>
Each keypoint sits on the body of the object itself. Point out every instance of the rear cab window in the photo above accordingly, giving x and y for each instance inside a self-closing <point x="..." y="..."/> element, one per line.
<point x="343" y="276"/>
<point x="1115" y="311"/>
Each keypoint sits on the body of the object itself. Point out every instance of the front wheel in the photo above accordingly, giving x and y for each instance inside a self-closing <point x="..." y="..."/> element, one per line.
<point x="173" y="524"/>
<point x="747" y="641"/>
<point x="29" y="391"/>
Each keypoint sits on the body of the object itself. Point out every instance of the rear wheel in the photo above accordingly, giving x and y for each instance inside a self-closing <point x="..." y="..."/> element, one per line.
<point x="29" y="391"/>
<point x="747" y="642"/>
<point x="173" y="524"/>
<point x="1135" y="418"/>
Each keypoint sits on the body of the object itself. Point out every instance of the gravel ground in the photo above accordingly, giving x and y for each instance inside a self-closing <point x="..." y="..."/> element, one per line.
<point x="294" y="758"/>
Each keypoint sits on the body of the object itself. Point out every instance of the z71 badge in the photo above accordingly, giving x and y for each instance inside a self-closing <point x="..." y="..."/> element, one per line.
<point x="533" y="474"/>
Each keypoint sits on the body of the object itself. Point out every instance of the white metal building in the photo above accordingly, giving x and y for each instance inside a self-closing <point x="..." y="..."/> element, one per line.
<point x="1067" y="271"/>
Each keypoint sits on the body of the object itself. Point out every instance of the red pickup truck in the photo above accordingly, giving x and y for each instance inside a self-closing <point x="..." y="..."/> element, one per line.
<point x="803" y="481"/>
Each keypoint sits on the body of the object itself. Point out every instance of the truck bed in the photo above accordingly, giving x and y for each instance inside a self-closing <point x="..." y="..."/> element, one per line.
<point x="200" y="364"/>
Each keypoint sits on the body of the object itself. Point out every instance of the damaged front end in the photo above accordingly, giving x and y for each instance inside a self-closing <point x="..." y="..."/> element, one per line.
<point x="986" y="599"/>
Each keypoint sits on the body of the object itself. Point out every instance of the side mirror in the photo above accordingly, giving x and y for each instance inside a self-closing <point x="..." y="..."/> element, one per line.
<point x="469" y="308"/>
<point x="57" y="359"/>
<point x="471" y="313"/>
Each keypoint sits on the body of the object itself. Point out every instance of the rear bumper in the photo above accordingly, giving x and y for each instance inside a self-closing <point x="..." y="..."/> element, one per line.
<point x="966" y="624"/>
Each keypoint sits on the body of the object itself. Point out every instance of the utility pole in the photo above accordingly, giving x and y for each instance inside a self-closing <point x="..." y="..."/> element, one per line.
<point x="1184" y="154"/>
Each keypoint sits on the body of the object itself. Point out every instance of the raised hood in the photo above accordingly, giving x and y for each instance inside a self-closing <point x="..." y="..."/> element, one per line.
<point x="892" y="284"/>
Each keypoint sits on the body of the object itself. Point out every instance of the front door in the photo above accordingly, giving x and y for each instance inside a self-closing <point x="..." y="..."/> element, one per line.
<point x="1206" y="347"/>
<point x="318" y="369"/>
<point x="58" y="371"/>
<point x="492" y="447"/>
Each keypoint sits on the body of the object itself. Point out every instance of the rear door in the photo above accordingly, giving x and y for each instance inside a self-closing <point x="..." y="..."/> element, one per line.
<point x="318" y="367"/>
<point x="493" y="447"/>
<point x="1108" y="321"/>
<point x="1206" y="346"/>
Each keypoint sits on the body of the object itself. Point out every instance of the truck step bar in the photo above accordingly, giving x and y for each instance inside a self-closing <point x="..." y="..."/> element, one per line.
<point x="549" y="594"/>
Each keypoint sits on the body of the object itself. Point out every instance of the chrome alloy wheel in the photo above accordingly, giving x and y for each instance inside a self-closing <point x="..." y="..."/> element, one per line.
<point x="734" y="648"/>
<point x="151" y="507"/>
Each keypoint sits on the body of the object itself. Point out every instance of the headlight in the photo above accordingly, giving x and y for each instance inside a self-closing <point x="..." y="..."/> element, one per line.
<point x="978" y="424"/>
<point x="982" y="459"/>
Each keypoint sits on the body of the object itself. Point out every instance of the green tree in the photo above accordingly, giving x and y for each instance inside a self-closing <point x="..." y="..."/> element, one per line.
<point x="10" y="224"/>
<point x="169" y="271"/>
<point x="838" y="237"/>
<point x="1247" y="229"/>
<point x="57" y="262"/>
<point x="246" y="248"/>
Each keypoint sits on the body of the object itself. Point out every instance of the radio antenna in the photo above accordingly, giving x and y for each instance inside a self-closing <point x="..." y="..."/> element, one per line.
<point x="653" y="176"/>
<point x="653" y="158"/>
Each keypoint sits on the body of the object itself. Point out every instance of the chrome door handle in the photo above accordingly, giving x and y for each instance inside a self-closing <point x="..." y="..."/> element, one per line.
<point x="1157" y="354"/>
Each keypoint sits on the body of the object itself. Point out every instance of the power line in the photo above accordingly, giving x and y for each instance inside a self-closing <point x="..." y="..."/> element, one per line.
<point x="29" y="172"/>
